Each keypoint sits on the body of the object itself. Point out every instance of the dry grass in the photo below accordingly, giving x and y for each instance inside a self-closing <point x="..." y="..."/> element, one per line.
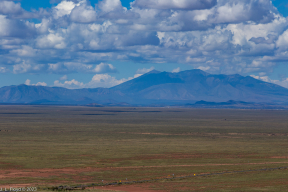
<point x="77" y="145"/>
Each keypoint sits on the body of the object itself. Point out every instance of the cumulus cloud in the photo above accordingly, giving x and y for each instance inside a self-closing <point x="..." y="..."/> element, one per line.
<point x="282" y="42"/>
<point x="16" y="28"/>
<point x="27" y="68"/>
<point x="73" y="84"/>
<point x="4" y="70"/>
<point x="177" y="70"/>
<point x="283" y="83"/>
<point x="98" y="80"/>
<point x="68" y="67"/>
<point x="83" y="14"/>
<point x="64" y="77"/>
<point x="51" y="41"/>
<point x="105" y="68"/>
<point x="14" y="10"/>
<point x="41" y="84"/>
<point x="24" y="51"/>
<point x="243" y="10"/>
<point x="8" y="7"/>
<point x="110" y="5"/>
<point x="28" y="82"/>
<point x="144" y="70"/>
<point x="172" y="4"/>
<point x="204" y="68"/>
<point x="63" y="8"/>
<point x="104" y="80"/>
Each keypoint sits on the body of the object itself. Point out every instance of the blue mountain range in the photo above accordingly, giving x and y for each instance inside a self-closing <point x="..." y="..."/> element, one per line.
<point x="156" y="88"/>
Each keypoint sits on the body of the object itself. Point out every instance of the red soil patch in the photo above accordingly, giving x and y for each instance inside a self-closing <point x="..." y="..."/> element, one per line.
<point x="42" y="173"/>
<point x="159" y="156"/>
<point x="210" y="134"/>
<point x="128" y="188"/>
<point x="279" y="157"/>
<point x="18" y="186"/>
<point x="175" y="156"/>
<point x="14" y="173"/>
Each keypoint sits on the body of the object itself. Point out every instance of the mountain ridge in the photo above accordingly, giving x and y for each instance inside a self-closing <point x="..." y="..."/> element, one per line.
<point x="155" y="88"/>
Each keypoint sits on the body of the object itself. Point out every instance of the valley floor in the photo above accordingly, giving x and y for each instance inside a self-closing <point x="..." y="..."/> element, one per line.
<point x="46" y="146"/>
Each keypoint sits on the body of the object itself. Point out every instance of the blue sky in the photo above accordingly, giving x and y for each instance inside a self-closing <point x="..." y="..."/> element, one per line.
<point x="87" y="44"/>
<point x="32" y="4"/>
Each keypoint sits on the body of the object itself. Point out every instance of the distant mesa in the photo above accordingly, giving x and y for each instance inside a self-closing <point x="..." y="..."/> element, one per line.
<point x="230" y="102"/>
<point x="94" y="105"/>
<point x="155" y="88"/>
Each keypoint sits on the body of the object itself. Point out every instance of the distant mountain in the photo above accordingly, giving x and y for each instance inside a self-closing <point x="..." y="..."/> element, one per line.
<point x="156" y="88"/>
<point x="24" y="94"/>
<point x="196" y="85"/>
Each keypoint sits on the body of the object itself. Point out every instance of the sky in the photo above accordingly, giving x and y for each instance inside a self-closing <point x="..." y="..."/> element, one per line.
<point x="88" y="44"/>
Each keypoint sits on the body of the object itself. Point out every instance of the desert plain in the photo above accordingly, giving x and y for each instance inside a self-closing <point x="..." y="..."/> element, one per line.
<point x="48" y="146"/>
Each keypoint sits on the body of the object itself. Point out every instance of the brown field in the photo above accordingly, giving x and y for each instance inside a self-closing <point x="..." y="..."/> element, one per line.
<point x="45" y="146"/>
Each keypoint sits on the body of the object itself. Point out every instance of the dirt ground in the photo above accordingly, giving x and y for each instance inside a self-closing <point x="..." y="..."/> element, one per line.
<point x="127" y="188"/>
<point x="45" y="173"/>
<point x="15" y="173"/>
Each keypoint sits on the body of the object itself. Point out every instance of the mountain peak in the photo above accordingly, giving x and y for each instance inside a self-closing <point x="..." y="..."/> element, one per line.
<point x="194" y="72"/>
<point x="153" y="71"/>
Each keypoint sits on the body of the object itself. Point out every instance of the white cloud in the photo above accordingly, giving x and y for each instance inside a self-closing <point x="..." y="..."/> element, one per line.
<point x="4" y="70"/>
<point x="195" y="59"/>
<point x="282" y="41"/>
<point x="64" y="77"/>
<point x="44" y="26"/>
<point x="41" y="84"/>
<point x="15" y="11"/>
<point x="230" y="13"/>
<point x="69" y="67"/>
<point x="63" y="8"/>
<point x="28" y="82"/>
<point x="105" y="68"/>
<point x="204" y="68"/>
<point x="177" y="70"/>
<point x="110" y="5"/>
<point x="244" y="10"/>
<point x="73" y="84"/>
<point x="105" y="80"/>
<point x="283" y="83"/>
<point x="172" y="4"/>
<point x="8" y="7"/>
<point x="27" y="68"/>
<point x="83" y="14"/>
<point x="144" y="70"/>
<point x="202" y="15"/>
<point x="25" y="51"/>
<point x="51" y="41"/>
<point x="15" y="28"/>
<point x="98" y="80"/>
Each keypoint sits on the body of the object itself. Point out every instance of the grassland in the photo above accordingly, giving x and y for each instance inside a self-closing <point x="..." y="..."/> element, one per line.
<point x="64" y="145"/>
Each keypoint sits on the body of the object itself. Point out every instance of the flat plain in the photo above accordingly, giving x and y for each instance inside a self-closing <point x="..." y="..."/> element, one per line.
<point x="44" y="146"/>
